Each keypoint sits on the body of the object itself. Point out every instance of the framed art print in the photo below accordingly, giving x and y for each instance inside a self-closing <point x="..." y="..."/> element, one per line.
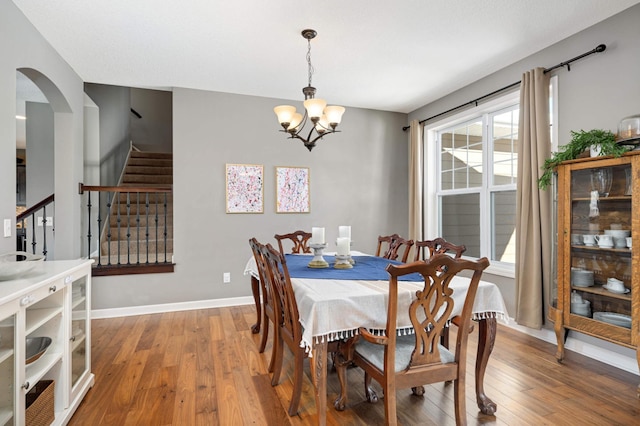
<point x="292" y="190"/>
<point x="244" y="188"/>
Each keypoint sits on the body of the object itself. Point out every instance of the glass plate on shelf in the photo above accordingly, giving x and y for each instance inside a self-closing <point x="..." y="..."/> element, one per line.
<point x="613" y="318"/>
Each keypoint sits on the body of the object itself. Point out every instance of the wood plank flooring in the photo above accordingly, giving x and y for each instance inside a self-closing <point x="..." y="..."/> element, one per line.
<point x="202" y="367"/>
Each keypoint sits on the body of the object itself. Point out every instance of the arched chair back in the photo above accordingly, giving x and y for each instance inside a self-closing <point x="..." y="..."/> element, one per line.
<point x="390" y="246"/>
<point x="299" y="239"/>
<point x="427" y="248"/>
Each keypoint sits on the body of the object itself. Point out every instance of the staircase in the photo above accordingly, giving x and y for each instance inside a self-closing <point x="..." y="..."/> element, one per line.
<point x="137" y="220"/>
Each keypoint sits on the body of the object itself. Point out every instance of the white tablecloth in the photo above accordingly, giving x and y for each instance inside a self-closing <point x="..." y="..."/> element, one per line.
<point x="334" y="309"/>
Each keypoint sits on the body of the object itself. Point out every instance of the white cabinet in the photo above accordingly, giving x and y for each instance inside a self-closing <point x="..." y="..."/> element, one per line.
<point x="51" y="301"/>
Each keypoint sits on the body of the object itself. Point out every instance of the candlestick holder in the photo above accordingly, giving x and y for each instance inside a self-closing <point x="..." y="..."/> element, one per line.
<point x="342" y="261"/>
<point x="318" y="261"/>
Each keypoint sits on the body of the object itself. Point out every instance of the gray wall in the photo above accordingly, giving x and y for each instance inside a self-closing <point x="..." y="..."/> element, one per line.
<point x="358" y="177"/>
<point x="154" y="131"/>
<point x="598" y="92"/>
<point x="114" y="104"/>
<point x="23" y="48"/>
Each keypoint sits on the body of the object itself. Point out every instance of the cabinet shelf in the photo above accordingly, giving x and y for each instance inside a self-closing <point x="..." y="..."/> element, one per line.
<point x="5" y="415"/>
<point x="5" y="354"/>
<point x="598" y="290"/>
<point x="39" y="317"/>
<point x="605" y="199"/>
<point x="37" y="369"/>
<point x="618" y="251"/>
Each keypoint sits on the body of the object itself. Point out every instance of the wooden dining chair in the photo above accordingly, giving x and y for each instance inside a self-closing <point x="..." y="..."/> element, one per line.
<point x="393" y="244"/>
<point x="412" y="360"/>
<point x="427" y="248"/>
<point x="290" y="329"/>
<point x="300" y="240"/>
<point x="268" y="301"/>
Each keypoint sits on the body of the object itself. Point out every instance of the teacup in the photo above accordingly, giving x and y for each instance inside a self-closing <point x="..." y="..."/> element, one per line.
<point x="619" y="242"/>
<point x="576" y="239"/>
<point x="615" y="285"/>
<point x="604" y="240"/>
<point x="588" y="239"/>
<point x="629" y="242"/>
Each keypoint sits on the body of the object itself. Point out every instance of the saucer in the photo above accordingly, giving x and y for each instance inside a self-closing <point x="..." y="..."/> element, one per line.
<point x="626" y="290"/>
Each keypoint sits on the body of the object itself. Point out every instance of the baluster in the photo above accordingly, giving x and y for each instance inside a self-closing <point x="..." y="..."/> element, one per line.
<point x="118" y="224"/>
<point x="128" y="227"/>
<point x="23" y="237"/>
<point x="99" y="228"/>
<point x="157" y="219"/>
<point x="33" y="233"/>
<point x="138" y="225"/>
<point x="89" y="225"/>
<point x="109" y="203"/>
<point x="165" y="227"/>
<point x="147" y="226"/>
<point x="44" y="231"/>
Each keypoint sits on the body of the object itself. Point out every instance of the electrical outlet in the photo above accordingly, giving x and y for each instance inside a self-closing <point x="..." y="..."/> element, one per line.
<point x="226" y="277"/>
<point x="7" y="228"/>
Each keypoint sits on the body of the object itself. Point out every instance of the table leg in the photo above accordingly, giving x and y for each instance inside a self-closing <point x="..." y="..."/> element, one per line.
<point x="318" y="364"/>
<point x="486" y="339"/>
<point x="255" y="289"/>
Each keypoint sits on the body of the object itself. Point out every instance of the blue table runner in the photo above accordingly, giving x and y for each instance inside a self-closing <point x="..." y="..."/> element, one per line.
<point x="368" y="268"/>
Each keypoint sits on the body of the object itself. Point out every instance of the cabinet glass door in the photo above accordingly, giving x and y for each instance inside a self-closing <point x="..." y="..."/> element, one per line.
<point x="600" y="260"/>
<point x="7" y="369"/>
<point x="79" y="329"/>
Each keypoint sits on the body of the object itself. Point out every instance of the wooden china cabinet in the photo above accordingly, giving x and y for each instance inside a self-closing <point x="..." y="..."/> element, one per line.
<point x="598" y="196"/>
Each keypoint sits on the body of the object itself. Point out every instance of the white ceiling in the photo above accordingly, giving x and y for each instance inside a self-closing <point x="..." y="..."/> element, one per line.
<point x="386" y="55"/>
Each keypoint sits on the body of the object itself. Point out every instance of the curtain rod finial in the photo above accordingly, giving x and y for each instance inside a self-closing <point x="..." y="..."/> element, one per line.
<point x="601" y="48"/>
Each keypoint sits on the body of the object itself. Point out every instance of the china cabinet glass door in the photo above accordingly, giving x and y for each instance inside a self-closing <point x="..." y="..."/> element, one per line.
<point x="79" y="327"/>
<point x="600" y="241"/>
<point x="7" y="368"/>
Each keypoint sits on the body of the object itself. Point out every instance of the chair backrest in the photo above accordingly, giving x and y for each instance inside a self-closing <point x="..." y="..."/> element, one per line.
<point x="393" y="244"/>
<point x="261" y="264"/>
<point x="300" y="240"/>
<point x="431" y="309"/>
<point x="426" y="249"/>
<point x="287" y="307"/>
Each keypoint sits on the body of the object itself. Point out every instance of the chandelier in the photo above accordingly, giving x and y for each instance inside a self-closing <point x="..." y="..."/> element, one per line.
<point x="324" y="119"/>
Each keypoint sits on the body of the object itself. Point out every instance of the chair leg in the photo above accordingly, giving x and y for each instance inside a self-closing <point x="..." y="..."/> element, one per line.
<point x="390" y="405"/>
<point x="297" y="382"/>
<point x="265" y="333"/>
<point x="340" y="364"/>
<point x="372" y="397"/>
<point x="276" y="341"/>
<point x="459" y="402"/>
<point x="418" y="390"/>
<point x="276" y="357"/>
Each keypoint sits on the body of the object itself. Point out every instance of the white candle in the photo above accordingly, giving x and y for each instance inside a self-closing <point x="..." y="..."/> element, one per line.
<point x="343" y="246"/>
<point x="344" y="231"/>
<point x="317" y="235"/>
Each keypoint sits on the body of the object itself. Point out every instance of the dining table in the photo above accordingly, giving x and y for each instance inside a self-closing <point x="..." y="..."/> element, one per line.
<point x="334" y="303"/>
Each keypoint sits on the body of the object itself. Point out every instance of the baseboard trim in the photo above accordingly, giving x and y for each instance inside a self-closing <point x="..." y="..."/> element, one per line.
<point x="606" y="356"/>
<point x="171" y="307"/>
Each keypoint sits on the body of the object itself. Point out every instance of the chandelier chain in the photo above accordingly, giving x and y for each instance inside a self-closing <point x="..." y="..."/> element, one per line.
<point x="311" y="69"/>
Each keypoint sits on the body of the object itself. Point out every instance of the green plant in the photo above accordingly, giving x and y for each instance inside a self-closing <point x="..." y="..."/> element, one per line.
<point x="580" y="141"/>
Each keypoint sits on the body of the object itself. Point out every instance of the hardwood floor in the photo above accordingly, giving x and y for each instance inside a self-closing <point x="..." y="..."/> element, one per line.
<point x="203" y="368"/>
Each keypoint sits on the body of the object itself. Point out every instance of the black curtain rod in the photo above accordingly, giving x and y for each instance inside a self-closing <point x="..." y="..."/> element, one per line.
<point x="598" y="49"/>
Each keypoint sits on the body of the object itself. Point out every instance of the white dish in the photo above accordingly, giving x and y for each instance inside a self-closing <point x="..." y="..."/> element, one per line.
<point x="613" y="318"/>
<point x="618" y="232"/>
<point x="605" y="245"/>
<point x="626" y="290"/>
<point x="10" y="268"/>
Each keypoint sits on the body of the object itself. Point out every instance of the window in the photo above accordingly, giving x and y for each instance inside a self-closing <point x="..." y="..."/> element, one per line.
<point x="471" y="177"/>
<point x="471" y="164"/>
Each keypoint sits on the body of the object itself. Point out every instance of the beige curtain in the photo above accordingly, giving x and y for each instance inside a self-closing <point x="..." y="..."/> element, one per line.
<point x="533" y="206"/>
<point x="415" y="181"/>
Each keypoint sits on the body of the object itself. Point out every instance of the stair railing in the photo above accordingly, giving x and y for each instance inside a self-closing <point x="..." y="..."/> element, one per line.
<point x="146" y="224"/>
<point x="28" y="217"/>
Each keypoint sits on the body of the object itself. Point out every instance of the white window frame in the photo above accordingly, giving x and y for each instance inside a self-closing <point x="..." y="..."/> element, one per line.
<point x="432" y="172"/>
